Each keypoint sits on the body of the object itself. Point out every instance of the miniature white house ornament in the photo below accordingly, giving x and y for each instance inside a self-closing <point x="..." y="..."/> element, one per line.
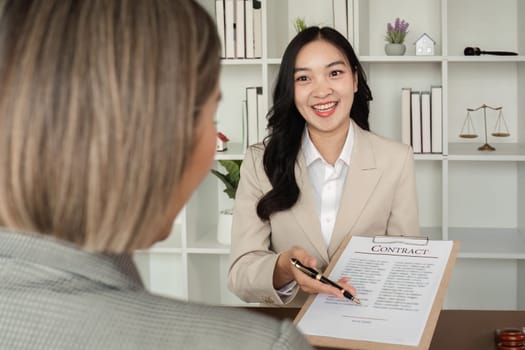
<point x="222" y="142"/>
<point x="425" y="45"/>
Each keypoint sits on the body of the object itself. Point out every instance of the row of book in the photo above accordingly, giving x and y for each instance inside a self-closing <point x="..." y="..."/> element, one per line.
<point x="422" y="119"/>
<point x="239" y="23"/>
<point x="254" y="112"/>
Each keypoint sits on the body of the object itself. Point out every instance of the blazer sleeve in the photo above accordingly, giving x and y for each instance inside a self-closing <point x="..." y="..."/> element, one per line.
<point x="252" y="261"/>
<point x="403" y="218"/>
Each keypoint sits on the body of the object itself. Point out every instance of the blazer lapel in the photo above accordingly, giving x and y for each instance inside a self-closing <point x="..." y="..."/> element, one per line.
<point x="304" y="210"/>
<point x="360" y="182"/>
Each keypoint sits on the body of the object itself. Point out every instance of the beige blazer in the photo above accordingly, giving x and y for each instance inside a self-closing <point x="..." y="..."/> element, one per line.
<point x="379" y="197"/>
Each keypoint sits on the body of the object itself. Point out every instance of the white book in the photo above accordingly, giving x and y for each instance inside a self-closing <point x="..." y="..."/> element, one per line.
<point x="244" y="125"/>
<point x="406" y="126"/>
<point x="416" y="121"/>
<point x="229" y="25"/>
<point x="219" y="20"/>
<point x="251" y="108"/>
<point x="257" y="29"/>
<point x="339" y="15"/>
<point x="350" y="21"/>
<point x="426" y="135"/>
<point x="261" y="115"/>
<point x="358" y="7"/>
<point x="436" y="104"/>
<point x="248" y="34"/>
<point x="239" y="29"/>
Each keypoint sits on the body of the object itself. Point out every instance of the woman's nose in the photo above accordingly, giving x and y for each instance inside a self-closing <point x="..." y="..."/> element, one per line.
<point x="322" y="88"/>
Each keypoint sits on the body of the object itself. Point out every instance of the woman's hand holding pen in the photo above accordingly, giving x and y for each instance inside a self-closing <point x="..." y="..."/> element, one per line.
<point x="285" y="272"/>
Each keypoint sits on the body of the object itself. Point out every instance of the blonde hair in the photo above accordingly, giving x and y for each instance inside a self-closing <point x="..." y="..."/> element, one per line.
<point x="99" y="103"/>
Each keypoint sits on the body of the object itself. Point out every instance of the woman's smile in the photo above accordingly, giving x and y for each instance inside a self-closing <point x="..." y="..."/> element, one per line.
<point x="325" y="109"/>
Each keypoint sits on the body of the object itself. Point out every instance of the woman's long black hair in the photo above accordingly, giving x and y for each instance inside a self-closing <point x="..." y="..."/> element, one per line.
<point x="286" y="124"/>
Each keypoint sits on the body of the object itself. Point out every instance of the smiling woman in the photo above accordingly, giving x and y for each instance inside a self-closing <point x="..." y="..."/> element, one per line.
<point x="324" y="92"/>
<point x="319" y="177"/>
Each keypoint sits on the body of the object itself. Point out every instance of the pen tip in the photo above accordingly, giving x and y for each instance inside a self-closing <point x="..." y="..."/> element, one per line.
<point x="357" y="301"/>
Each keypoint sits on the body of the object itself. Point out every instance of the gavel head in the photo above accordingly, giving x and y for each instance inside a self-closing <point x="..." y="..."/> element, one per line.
<point x="472" y="51"/>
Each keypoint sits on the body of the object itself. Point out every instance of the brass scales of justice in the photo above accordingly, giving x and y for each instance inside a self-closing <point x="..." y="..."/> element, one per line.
<point x="500" y="128"/>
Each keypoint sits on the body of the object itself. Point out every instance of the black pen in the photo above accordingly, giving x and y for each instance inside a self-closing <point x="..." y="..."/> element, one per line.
<point x="318" y="276"/>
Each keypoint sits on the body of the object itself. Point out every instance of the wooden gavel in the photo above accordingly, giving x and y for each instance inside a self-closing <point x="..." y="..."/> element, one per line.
<point x="475" y="51"/>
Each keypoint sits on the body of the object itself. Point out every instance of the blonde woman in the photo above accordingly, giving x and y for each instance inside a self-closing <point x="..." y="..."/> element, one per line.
<point x="106" y="128"/>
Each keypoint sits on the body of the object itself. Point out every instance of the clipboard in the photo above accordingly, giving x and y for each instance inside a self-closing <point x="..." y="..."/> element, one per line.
<point x="426" y="337"/>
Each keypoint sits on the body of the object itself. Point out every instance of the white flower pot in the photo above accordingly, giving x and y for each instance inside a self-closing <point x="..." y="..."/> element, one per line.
<point x="395" y="49"/>
<point x="224" y="226"/>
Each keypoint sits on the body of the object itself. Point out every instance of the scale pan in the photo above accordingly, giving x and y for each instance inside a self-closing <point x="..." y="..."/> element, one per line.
<point x="500" y="134"/>
<point x="468" y="136"/>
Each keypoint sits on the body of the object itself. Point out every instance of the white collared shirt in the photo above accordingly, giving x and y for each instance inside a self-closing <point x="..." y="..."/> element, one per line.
<point x="327" y="180"/>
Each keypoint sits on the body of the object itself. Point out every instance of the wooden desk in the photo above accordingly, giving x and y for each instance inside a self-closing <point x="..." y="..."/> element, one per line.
<point x="456" y="329"/>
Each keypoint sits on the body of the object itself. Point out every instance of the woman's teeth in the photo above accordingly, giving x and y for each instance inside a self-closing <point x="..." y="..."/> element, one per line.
<point x="324" y="107"/>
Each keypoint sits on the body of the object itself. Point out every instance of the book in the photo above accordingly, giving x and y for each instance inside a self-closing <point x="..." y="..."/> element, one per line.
<point x="248" y="34"/>
<point x="415" y="117"/>
<point x="239" y="29"/>
<point x="436" y="105"/>
<point x="350" y="22"/>
<point x="426" y="135"/>
<point x="339" y="16"/>
<point x="362" y="39"/>
<point x="261" y="115"/>
<point x="401" y="283"/>
<point x="251" y="112"/>
<point x="244" y="108"/>
<point x="219" y="20"/>
<point x="257" y="29"/>
<point x="406" y="126"/>
<point x="229" y="27"/>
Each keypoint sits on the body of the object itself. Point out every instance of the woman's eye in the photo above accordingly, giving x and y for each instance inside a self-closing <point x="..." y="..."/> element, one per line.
<point x="301" y="78"/>
<point x="335" y="73"/>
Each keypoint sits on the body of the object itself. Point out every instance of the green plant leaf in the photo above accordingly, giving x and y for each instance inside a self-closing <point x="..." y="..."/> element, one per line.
<point x="221" y="177"/>
<point x="299" y="24"/>
<point x="231" y="178"/>
<point x="233" y="168"/>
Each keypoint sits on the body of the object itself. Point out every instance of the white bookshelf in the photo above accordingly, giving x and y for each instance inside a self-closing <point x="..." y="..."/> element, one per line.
<point x="466" y="195"/>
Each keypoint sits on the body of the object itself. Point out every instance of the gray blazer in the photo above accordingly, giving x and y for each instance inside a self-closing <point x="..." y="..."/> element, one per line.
<point x="55" y="296"/>
<point x="379" y="197"/>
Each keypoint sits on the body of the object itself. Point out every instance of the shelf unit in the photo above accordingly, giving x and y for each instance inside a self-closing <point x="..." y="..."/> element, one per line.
<point x="466" y="195"/>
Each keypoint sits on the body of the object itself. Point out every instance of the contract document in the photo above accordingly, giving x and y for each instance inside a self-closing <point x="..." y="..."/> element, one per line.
<point x="397" y="280"/>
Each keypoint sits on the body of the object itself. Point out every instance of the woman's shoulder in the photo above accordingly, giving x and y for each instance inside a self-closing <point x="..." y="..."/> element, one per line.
<point x="255" y="152"/>
<point x="252" y="162"/>
<point x="224" y="327"/>
<point x="382" y="141"/>
<point x="386" y="148"/>
<point x="257" y="149"/>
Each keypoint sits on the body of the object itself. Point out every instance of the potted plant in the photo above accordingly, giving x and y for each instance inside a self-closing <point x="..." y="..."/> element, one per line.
<point x="299" y="24"/>
<point x="230" y="179"/>
<point x="395" y="37"/>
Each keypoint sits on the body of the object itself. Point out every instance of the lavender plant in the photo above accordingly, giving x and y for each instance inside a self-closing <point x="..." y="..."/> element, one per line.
<point x="395" y="34"/>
